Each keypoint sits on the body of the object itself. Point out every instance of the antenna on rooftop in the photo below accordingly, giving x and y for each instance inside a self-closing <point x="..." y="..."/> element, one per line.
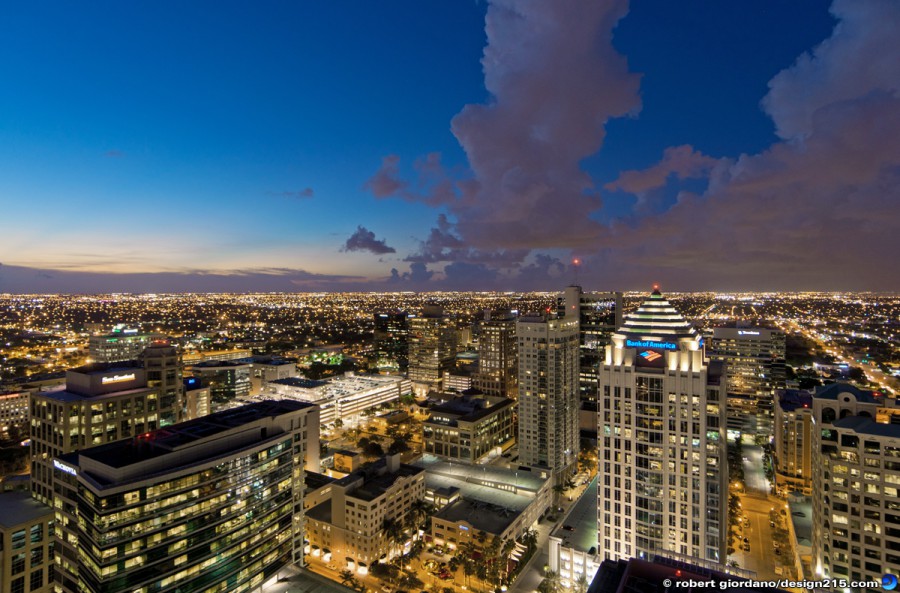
<point x="576" y="263"/>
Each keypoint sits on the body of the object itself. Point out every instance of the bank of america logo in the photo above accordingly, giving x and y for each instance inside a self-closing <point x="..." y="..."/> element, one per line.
<point x="651" y="356"/>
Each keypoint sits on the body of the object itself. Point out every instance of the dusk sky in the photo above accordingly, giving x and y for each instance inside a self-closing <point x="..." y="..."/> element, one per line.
<point x="410" y="145"/>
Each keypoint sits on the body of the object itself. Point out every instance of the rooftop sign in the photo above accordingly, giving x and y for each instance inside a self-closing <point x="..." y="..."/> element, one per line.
<point x="117" y="379"/>
<point x="651" y="344"/>
<point x="63" y="467"/>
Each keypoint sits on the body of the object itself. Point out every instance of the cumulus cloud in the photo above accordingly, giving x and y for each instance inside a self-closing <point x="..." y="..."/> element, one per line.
<point x="364" y="240"/>
<point x="554" y="80"/>
<point x="681" y="162"/>
<point x="861" y="56"/>
<point x="818" y="209"/>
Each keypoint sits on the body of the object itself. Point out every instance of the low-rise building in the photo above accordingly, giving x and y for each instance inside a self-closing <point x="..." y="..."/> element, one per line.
<point x="469" y="427"/>
<point x="350" y="527"/>
<point x="228" y="380"/>
<point x="345" y="397"/>
<point x="573" y="545"/>
<point x="197" y="399"/>
<point x="502" y="503"/>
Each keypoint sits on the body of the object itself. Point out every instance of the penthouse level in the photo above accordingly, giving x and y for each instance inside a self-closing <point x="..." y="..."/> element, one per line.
<point x="205" y="504"/>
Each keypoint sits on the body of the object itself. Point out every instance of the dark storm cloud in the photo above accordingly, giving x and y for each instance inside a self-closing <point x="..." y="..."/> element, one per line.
<point x="364" y="240"/>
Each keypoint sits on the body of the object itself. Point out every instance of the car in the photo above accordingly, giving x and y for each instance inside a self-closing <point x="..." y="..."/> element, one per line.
<point x="771" y="523"/>
<point x="746" y="540"/>
<point x="568" y="528"/>
<point x="445" y="576"/>
<point x="777" y="552"/>
<point x="386" y="589"/>
<point x="746" y="547"/>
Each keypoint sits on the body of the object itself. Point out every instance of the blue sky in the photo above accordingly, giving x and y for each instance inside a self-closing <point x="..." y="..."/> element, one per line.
<point x="285" y="146"/>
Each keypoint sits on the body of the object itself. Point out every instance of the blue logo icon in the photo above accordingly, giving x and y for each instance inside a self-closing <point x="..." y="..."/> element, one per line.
<point x="889" y="582"/>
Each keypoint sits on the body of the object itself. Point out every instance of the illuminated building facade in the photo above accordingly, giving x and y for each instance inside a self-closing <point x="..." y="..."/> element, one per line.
<point x="793" y="440"/>
<point x="856" y="477"/>
<point x="26" y="544"/>
<point x="754" y="357"/>
<point x="227" y="379"/>
<point x="214" y="504"/>
<point x="197" y="399"/>
<point x="350" y="527"/>
<point x="432" y="348"/>
<point x="498" y="370"/>
<point x="599" y="315"/>
<point x="120" y="345"/>
<point x="389" y="346"/>
<point x="99" y="403"/>
<point x="345" y="397"/>
<point x="548" y="392"/>
<point x="467" y="428"/>
<point x="164" y="373"/>
<point x="661" y="441"/>
<point x="13" y="412"/>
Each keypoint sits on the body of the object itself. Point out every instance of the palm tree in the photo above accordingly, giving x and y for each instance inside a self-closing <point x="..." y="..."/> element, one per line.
<point x="581" y="584"/>
<point x="347" y="578"/>
<point x="529" y="538"/>
<point x="393" y="532"/>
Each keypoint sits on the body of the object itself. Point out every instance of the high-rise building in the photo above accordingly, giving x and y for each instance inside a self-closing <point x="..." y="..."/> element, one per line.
<point x="26" y="544"/>
<point x="755" y="360"/>
<point x="227" y="379"/>
<point x="13" y="413"/>
<point x="100" y="403"/>
<point x="661" y="441"/>
<point x="856" y="477"/>
<point x="548" y="392"/>
<point x="164" y="372"/>
<point x="389" y="341"/>
<point x="197" y="399"/>
<point x="498" y="372"/>
<point x="210" y="504"/>
<point x="432" y="348"/>
<point x="599" y="315"/>
<point x="121" y="344"/>
<point x="793" y="440"/>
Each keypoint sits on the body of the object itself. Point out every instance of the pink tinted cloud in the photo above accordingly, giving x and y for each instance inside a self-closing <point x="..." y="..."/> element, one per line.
<point x="682" y="162"/>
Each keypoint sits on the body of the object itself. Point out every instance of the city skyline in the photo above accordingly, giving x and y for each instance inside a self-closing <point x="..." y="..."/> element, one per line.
<point x="450" y="146"/>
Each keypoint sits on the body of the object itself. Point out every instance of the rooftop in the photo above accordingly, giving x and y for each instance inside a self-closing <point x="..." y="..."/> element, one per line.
<point x="299" y="382"/>
<point x="864" y="425"/>
<point x="172" y="438"/>
<point x="18" y="508"/>
<point x="470" y="477"/>
<point x="834" y="390"/>
<point x="470" y="409"/>
<point x="658" y="318"/>
<point x="583" y="518"/>
<point x="60" y="394"/>
<point x="483" y="516"/>
<point x="792" y="399"/>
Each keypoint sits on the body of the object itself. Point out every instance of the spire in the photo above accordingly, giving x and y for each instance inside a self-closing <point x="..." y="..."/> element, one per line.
<point x="658" y="318"/>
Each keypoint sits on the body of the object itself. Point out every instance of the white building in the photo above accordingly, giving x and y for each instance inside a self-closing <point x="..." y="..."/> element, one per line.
<point x="548" y="392"/>
<point x="345" y="397"/>
<point x="856" y="477"/>
<point x="661" y="441"/>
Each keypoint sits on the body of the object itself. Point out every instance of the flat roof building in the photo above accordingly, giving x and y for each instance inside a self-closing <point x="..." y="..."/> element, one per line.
<point x="100" y="403"/>
<point x="469" y="427"/>
<point x="213" y="502"/>
<point x="26" y="536"/>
